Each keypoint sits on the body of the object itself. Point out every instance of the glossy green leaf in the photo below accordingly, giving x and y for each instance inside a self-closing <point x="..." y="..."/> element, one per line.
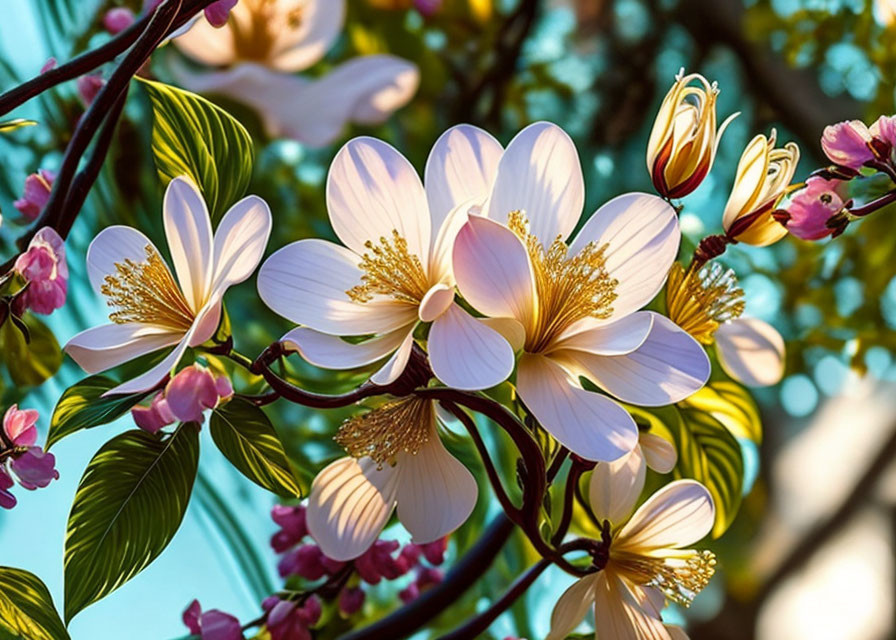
<point x="29" y="361"/>
<point x="732" y="405"/>
<point x="129" y="504"/>
<point x="26" y="607"/>
<point x="193" y="137"/>
<point x="83" y="406"/>
<point x="246" y="437"/>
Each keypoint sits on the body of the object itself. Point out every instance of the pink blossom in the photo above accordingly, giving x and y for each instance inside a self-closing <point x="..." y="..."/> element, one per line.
<point x="19" y="426"/>
<point x="212" y="624"/>
<point x="434" y="551"/>
<point x="292" y="527"/>
<point x="89" y="86"/>
<point x="304" y="561"/>
<point x="218" y="12"/>
<point x="810" y="209"/>
<point x="885" y="129"/>
<point x="7" y="500"/>
<point x="34" y="468"/>
<point x="154" y="417"/>
<point x="118" y="19"/>
<point x="44" y="268"/>
<point x="847" y="143"/>
<point x="36" y="194"/>
<point x="377" y="562"/>
<point x="289" y="621"/>
<point x="351" y="599"/>
<point x="190" y="392"/>
<point x="428" y="577"/>
<point x="409" y="593"/>
<point x="48" y="65"/>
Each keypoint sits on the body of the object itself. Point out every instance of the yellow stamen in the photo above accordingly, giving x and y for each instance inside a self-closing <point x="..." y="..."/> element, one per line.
<point x="390" y="270"/>
<point x="568" y="288"/>
<point x="679" y="578"/>
<point x="401" y="426"/>
<point x="699" y="301"/>
<point x="146" y="292"/>
<point x="256" y="38"/>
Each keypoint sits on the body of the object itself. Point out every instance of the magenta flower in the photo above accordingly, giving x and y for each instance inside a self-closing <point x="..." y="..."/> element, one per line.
<point x="89" y="86"/>
<point x="154" y="417"/>
<point x="212" y="624"/>
<point x="36" y="194"/>
<point x="44" y="268"/>
<point x="884" y="129"/>
<point x="292" y="527"/>
<point x="287" y="620"/>
<point x="7" y="500"/>
<point x="185" y="399"/>
<point x="34" y="468"/>
<point x="847" y="143"/>
<point x="218" y="12"/>
<point x="19" y="458"/>
<point x="118" y="19"/>
<point x="18" y="425"/>
<point x="351" y="599"/>
<point x="808" y="214"/>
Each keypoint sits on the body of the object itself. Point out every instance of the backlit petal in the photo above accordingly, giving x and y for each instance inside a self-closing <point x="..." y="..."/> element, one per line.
<point x="615" y="486"/>
<point x="332" y="352"/>
<point x="619" y="615"/>
<point x="659" y="452"/>
<point x="240" y="241"/>
<point x="110" y="345"/>
<point x="751" y="351"/>
<point x="113" y="245"/>
<point x="395" y="365"/>
<point x="318" y="25"/>
<point x="572" y="607"/>
<point x="678" y="515"/>
<point x="189" y="232"/>
<point x="619" y="338"/>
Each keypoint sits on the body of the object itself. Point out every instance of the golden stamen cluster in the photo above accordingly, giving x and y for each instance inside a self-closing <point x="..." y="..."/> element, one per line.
<point x="390" y="270"/>
<point x="568" y="288"/>
<point x="679" y="578"/>
<point x="401" y="426"/>
<point x="256" y="40"/>
<point x="146" y="292"/>
<point x="700" y="301"/>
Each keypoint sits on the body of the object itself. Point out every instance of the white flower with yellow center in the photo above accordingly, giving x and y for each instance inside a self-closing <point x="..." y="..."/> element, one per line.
<point x="149" y="308"/>
<point x="397" y="461"/>
<point x="395" y="269"/>
<point x="262" y="46"/>
<point x="647" y="565"/>
<point x="572" y="310"/>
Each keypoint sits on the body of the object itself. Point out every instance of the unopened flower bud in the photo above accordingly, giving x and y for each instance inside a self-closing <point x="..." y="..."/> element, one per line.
<point x="292" y="526"/>
<point x="848" y="144"/>
<point x="304" y="561"/>
<point x="18" y="425"/>
<point x="192" y="391"/>
<point x="810" y="210"/>
<point x="351" y="599"/>
<point x="154" y="417"/>
<point x="118" y="19"/>
<point x="36" y="194"/>
<point x="44" y="267"/>
<point x="34" y="468"/>
<point x="218" y="12"/>
<point x="434" y="551"/>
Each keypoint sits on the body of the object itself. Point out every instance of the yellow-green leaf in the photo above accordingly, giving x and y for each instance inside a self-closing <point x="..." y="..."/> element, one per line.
<point x="730" y="404"/>
<point x="26" y="607"/>
<point x="29" y="362"/>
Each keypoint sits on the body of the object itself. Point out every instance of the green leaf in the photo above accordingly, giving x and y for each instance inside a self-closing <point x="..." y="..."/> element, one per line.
<point x="26" y="607"/>
<point x="128" y="506"/>
<point x="730" y="404"/>
<point x="708" y="453"/>
<point x="83" y="406"/>
<point x="247" y="438"/>
<point x="29" y="362"/>
<point x="193" y="137"/>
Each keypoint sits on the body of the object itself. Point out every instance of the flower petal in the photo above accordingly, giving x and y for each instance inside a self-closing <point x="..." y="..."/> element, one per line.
<point x="676" y="633"/>
<point x="616" y="339"/>
<point x="240" y="241"/>
<point x="306" y="282"/>
<point x="467" y="354"/>
<point x="207" y="44"/>
<point x="588" y="424"/>
<point x="540" y="175"/>
<point x="751" y="351"/>
<point x="188" y="229"/>
<point x="350" y="502"/>
<point x="643" y="237"/>
<point x="436" y="493"/>
<point x="395" y="365"/>
<point x="332" y="352"/>
<point x="616" y="486"/>
<point x="461" y="168"/>
<point x="492" y="270"/>
<point x="619" y="615"/>
<point x="298" y="47"/>
<point x="572" y="607"/>
<point x="110" y="345"/>
<point x="667" y="368"/>
<point x="372" y="190"/>
<point x="678" y="515"/>
<point x="113" y="245"/>
<point x="148" y="380"/>
<point x="510" y="328"/>
<point x="660" y="454"/>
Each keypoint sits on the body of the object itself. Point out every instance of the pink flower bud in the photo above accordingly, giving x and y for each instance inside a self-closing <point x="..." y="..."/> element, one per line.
<point x="89" y="86"/>
<point x="217" y="625"/>
<point x="36" y="194"/>
<point x="409" y="557"/>
<point x="191" y="617"/>
<point x="434" y="551"/>
<point x="118" y="19"/>
<point x="34" y="468"/>
<point x="351" y="599"/>
<point x="331" y="566"/>
<point x="305" y="561"/>
<point x="409" y="593"/>
<point x="429" y="577"/>
<point x="19" y="426"/>
<point x="846" y="143"/>
<point x="43" y="266"/>
<point x="309" y="613"/>
<point x="288" y="621"/>
<point x="218" y="12"/>
<point x="154" y="417"/>
<point x="885" y="129"/>
<point x="292" y="523"/>
<point x="7" y="500"/>
<point x="377" y="562"/>
<point x="192" y="391"/>
<point x="49" y="64"/>
<point x="808" y="212"/>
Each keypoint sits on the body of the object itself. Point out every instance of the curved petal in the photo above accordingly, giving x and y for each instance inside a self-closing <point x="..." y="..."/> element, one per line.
<point x="616" y="486"/>
<point x="572" y="607"/>
<point x="467" y="354"/>
<point x="540" y="175"/>
<point x="643" y="237"/>
<point x="492" y="270"/>
<point x="113" y="245"/>
<point x="461" y="168"/>
<point x="350" y="502"/>
<point x="616" y="339"/>
<point x="301" y="42"/>
<point x="306" y="282"/>
<point x="588" y="424"/>
<point x="110" y="345"/>
<point x="436" y="302"/>
<point x="442" y="249"/>
<point x="188" y="229"/>
<point x="395" y="365"/>
<point x="667" y="368"/>
<point x="678" y="515"/>
<point x="510" y="328"/>
<point x="618" y="614"/>
<point x="751" y="351"/>
<point x="332" y="352"/>
<point x="240" y="241"/>
<point x="436" y="493"/>
<point x="660" y="454"/>
<point x="148" y="380"/>
<point x="208" y="45"/>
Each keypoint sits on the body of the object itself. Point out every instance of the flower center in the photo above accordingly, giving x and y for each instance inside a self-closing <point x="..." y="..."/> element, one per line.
<point x="699" y="301"/>
<point x="146" y="292"/>
<point x="401" y="426"/>
<point x="568" y="289"/>
<point x="390" y="270"/>
<point x="254" y="38"/>
<point x="679" y="578"/>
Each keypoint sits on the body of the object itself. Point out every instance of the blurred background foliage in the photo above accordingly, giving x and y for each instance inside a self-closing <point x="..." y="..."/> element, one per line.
<point x="809" y="531"/>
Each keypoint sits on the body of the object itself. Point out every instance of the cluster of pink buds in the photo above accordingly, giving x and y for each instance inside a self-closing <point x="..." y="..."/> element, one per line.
<point x="44" y="269"/>
<point x="212" y="624"/>
<point x="184" y="399"/>
<point x="823" y="207"/>
<point x="384" y="560"/>
<point x="291" y="619"/>
<point x="19" y="458"/>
